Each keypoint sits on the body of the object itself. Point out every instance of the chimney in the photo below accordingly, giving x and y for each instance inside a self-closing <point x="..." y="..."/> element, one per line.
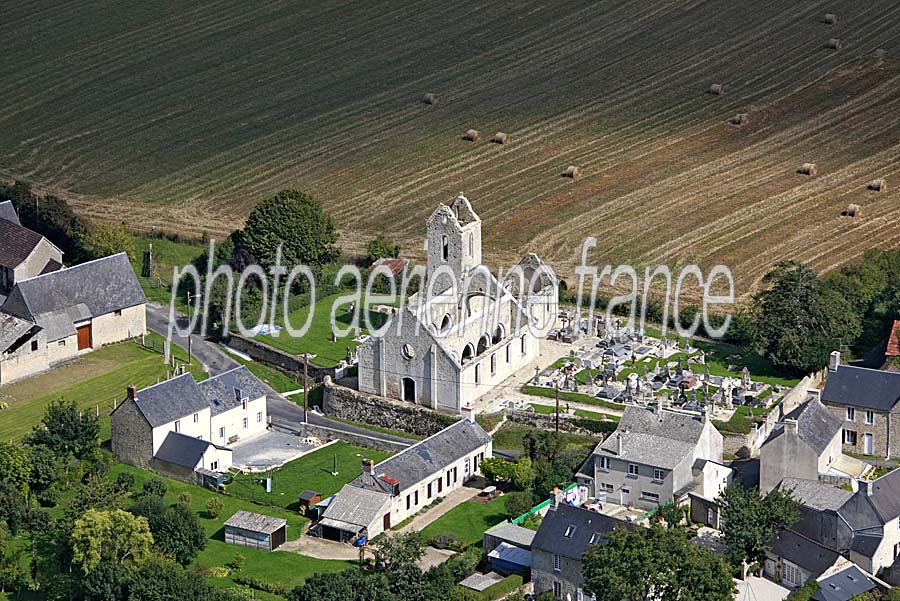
<point x="368" y="466"/>
<point x="864" y="487"/>
<point x="619" y="444"/>
<point x="468" y="412"/>
<point x="131" y="392"/>
<point x="790" y="426"/>
<point x="834" y="361"/>
<point x="555" y="494"/>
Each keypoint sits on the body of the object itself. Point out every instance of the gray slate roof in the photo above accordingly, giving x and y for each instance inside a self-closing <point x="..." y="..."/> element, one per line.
<point x="512" y="533"/>
<point x="551" y="536"/>
<point x="16" y="243"/>
<point x="12" y="329"/>
<point x="225" y="391"/>
<point x="843" y="586"/>
<point x="182" y="449"/>
<point x="58" y="324"/>
<point x="816" y="495"/>
<point x="171" y="400"/>
<point x="816" y="425"/>
<point x="355" y="507"/>
<point x="661" y="440"/>
<point x="8" y="212"/>
<point x="102" y="286"/>
<point x="255" y="522"/>
<point x="803" y="552"/>
<point x="885" y="495"/>
<point x="427" y="457"/>
<point x="862" y="387"/>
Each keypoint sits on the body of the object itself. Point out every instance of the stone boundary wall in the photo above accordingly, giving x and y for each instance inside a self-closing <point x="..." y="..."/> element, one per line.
<point x="548" y="422"/>
<point x="355" y="406"/>
<point x="270" y="355"/>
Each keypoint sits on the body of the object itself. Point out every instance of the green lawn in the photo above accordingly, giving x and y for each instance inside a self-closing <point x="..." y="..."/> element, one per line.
<point x="549" y="410"/>
<point x="278" y="380"/>
<point x="509" y="438"/>
<point x="742" y="420"/>
<point x="280" y="566"/>
<point x="574" y="397"/>
<point x="312" y="471"/>
<point x="166" y="256"/>
<point x="468" y="520"/>
<point x="318" y="338"/>
<point x="96" y="379"/>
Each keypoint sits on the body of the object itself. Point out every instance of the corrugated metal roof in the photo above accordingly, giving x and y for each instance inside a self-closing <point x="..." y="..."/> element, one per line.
<point x="355" y="506"/>
<point x="255" y="522"/>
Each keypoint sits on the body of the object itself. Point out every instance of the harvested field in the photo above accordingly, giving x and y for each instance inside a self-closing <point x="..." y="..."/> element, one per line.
<point x="184" y="117"/>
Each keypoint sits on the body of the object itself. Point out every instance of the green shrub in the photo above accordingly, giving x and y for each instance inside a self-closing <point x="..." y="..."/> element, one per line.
<point x="446" y="540"/>
<point x="155" y="487"/>
<point x="214" y="507"/>
<point x="259" y="584"/>
<point x="185" y="498"/>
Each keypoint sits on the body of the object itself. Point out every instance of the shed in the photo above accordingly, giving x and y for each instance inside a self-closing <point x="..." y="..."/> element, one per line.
<point x="307" y="499"/>
<point x="255" y="531"/>
<point x="509" y="559"/>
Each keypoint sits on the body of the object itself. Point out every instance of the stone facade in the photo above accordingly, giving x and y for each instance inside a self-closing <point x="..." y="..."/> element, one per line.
<point x="118" y="326"/>
<point x="788" y="456"/>
<point x="859" y="423"/>
<point x="564" y="583"/>
<point x="132" y="442"/>
<point x="32" y="266"/>
<point x="455" y="340"/>
<point x="352" y="405"/>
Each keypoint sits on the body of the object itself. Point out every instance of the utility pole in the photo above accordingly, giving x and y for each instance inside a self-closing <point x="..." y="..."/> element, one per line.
<point x="305" y="387"/>
<point x="557" y="407"/>
<point x="190" y="297"/>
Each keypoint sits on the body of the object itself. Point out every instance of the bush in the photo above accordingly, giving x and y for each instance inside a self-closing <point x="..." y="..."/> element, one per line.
<point x="185" y="498"/>
<point x="237" y="562"/>
<point x="275" y="588"/>
<point x="446" y="540"/>
<point x="124" y="481"/>
<point x="155" y="487"/>
<point x="214" y="507"/>
<point x="219" y="572"/>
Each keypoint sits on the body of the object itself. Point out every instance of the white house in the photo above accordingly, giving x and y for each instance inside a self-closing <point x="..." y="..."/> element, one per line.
<point x="179" y="425"/>
<point x="389" y="492"/>
<point x="464" y="331"/>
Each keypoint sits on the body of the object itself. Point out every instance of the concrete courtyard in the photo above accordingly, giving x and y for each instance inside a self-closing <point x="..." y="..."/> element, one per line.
<point x="269" y="450"/>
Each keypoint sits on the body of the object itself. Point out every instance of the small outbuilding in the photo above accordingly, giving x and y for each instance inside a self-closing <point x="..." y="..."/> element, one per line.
<point x="255" y="531"/>
<point x="307" y="499"/>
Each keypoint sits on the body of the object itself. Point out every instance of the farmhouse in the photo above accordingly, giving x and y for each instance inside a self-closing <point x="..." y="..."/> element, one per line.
<point x="395" y="489"/>
<point x="867" y="402"/>
<point x="656" y="457"/>
<point x="563" y="537"/>
<point x="255" y="531"/>
<point x="23" y="252"/>
<point x="179" y="426"/>
<point x="54" y="317"/>
<point x="469" y="332"/>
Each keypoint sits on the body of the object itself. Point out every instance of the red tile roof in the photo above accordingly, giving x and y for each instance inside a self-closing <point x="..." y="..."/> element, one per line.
<point x="893" y="345"/>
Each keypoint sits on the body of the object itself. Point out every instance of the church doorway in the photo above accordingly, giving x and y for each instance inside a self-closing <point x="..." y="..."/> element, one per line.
<point x="409" y="390"/>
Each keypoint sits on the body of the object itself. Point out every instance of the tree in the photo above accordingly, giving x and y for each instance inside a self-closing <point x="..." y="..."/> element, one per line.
<point x="180" y="534"/>
<point x="296" y="221"/>
<point x="124" y="481"/>
<point x="44" y="471"/>
<point x="214" y="507"/>
<point x="114" y="536"/>
<point x="15" y="466"/>
<point x="497" y="469"/>
<point x="402" y="549"/>
<point x="654" y="563"/>
<point x="349" y="585"/>
<point x="67" y="431"/>
<point x="157" y="579"/>
<point x="750" y="520"/>
<point x="13" y="574"/>
<point x="13" y="507"/>
<point x="107" y="582"/>
<point x="798" y="321"/>
<point x="107" y="238"/>
<point x="519" y="502"/>
<point x="380" y="248"/>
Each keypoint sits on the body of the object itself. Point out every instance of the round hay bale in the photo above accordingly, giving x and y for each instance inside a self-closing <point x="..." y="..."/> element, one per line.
<point x="879" y="185"/>
<point x="854" y="210"/>
<point x="835" y="44"/>
<point x="500" y="138"/>
<point x="831" y="18"/>
<point x="472" y="135"/>
<point x="430" y="99"/>
<point x="741" y="119"/>
<point x="573" y="171"/>
<point x="809" y="169"/>
<point x="717" y="89"/>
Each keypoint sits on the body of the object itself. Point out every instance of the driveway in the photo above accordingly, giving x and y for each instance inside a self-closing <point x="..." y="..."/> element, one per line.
<point x="456" y="497"/>
<point x="269" y="450"/>
<point x="213" y="358"/>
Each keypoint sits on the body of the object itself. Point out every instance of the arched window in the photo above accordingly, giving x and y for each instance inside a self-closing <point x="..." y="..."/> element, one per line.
<point x="445" y="247"/>
<point x="498" y="334"/>
<point x="483" y="343"/>
<point x="467" y="354"/>
<point x="446" y="324"/>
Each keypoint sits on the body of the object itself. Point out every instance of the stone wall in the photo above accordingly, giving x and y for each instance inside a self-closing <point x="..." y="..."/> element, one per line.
<point x="270" y="355"/>
<point x="132" y="437"/>
<point x="567" y="423"/>
<point x="355" y="406"/>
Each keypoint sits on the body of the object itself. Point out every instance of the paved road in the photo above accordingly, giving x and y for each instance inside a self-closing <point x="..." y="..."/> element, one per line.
<point x="208" y="353"/>
<point x="217" y="361"/>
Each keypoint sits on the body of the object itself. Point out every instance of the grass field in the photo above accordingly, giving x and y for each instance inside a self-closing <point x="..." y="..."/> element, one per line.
<point x="166" y="256"/>
<point x="279" y="566"/>
<point x="312" y="471"/>
<point x="186" y="116"/>
<point x="468" y="521"/>
<point x="509" y="438"/>
<point x="95" y="382"/>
